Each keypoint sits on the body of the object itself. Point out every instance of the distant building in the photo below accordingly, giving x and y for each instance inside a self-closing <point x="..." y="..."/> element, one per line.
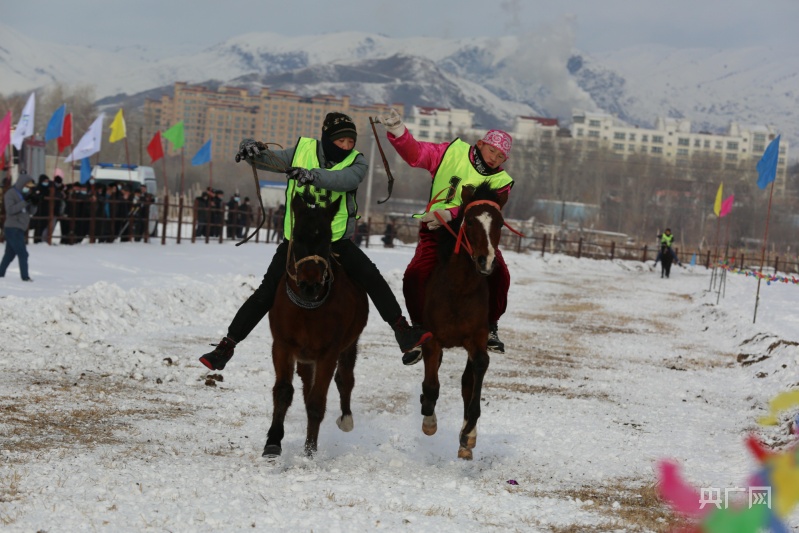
<point x="439" y="124"/>
<point x="229" y="114"/>
<point x="673" y="140"/>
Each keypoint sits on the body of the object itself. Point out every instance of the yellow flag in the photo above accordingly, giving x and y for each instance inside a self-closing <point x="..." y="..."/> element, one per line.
<point x="118" y="128"/>
<point x="716" y="206"/>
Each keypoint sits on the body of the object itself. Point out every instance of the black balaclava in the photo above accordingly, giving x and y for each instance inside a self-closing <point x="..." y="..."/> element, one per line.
<point x="336" y="126"/>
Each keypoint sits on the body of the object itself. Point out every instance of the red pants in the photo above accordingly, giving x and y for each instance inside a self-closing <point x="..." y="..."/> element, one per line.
<point x="421" y="266"/>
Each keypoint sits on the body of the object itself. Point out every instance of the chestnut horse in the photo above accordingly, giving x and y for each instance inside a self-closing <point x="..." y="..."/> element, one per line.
<point x="456" y="305"/>
<point x="316" y="320"/>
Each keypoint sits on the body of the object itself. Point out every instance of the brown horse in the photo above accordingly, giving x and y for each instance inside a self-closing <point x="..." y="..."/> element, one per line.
<point x="456" y="305"/>
<point x="316" y="320"/>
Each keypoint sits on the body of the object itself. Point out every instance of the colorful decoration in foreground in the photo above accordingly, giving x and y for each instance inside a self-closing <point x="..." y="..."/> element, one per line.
<point x="769" y="278"/>
<point x="771" y="492"/>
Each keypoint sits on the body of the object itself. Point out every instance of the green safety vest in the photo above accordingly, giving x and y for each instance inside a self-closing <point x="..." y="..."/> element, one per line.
<point x="305" y="156"/>
<point x="455" y="171"/>
<point x="667" y="239"/>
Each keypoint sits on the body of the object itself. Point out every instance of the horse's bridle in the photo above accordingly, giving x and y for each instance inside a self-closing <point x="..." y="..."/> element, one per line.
<point x="461" y="236"/>
<point x="327" y="277"/>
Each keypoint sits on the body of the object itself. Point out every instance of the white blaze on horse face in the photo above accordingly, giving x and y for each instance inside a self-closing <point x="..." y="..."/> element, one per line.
<point x="485" y="220"/>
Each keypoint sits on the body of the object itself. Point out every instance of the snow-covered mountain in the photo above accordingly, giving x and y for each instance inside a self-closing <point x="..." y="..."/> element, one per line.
<point x="497" y="78"/>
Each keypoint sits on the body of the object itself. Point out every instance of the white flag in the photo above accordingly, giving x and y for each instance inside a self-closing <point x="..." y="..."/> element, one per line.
<point x="90" y="142"/>
<point x="25" y="125"/>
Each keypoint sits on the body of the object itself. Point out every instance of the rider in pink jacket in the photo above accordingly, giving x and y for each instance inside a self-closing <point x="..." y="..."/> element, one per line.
<point x="486" y="157"/>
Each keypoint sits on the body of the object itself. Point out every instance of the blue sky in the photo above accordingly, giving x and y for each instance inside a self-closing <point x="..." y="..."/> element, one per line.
<point x="599" y="25"/>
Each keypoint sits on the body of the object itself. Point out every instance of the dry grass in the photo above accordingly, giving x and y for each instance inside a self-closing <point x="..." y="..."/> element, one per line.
<point x="526" y="388"/>
<point x="639" y="507"/>
<point x="63" y="412"/>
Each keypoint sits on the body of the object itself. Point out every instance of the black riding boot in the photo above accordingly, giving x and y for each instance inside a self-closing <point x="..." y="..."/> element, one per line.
<point x="494" y="344"/>
<point x="218" y="358"/>
<point x="410" y="340"/>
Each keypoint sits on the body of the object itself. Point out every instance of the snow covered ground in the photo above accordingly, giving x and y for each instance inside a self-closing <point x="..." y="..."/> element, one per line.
<point x="111" y="424"/>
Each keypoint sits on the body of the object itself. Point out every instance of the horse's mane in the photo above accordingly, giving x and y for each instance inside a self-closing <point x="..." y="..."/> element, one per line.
<point x="446" y="241"/>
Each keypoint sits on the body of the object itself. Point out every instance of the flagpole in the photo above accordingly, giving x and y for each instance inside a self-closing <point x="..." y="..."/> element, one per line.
<point x="182" y="168"/>
<point x="72" y="164"/>
<point x="727" y="240"/>
<point x="210" y="173"/>
<point x="163" y="163"/>
<point x="763" y="251"/>
<point x="127" y="158"/>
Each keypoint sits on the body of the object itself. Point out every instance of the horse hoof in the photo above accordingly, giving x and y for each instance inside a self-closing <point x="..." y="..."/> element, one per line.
<point x="471" y="442"/>
<point x="430" y="425"/>
<point x="271" y="451"/>
<point x="465" y="454"/>
<point x="345" y="423"/>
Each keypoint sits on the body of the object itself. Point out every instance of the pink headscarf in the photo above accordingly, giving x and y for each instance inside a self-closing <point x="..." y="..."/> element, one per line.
<point x="499" y="140"/>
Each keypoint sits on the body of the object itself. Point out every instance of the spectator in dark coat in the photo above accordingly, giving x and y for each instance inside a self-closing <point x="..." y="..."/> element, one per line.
<point x="20" y="204"/>
<point x="233" y="216"/>
<point x="202" y="202"/>
<point x="40" y="221"/>
<point x="245" y="218"/>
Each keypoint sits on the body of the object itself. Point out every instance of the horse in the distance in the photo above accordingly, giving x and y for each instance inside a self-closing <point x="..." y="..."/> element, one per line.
<point x="456" y="305"/>
<point x="666" y="259"/>
<point x="316" y="320"/>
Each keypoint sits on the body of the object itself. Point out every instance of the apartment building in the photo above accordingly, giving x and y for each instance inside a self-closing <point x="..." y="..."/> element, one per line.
<point x="673" y="140"/>
<point x="228" y="114"/>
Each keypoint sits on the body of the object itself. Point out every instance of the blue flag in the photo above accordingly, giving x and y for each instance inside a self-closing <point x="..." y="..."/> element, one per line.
<point x="56" y="124"/>
<point x="203" y="155"/>
<point x="85" y="170"/>
<point x="767" y="166"/>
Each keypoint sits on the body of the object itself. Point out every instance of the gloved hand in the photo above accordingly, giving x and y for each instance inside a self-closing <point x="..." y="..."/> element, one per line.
<point x="302" y="175"/>
<point x="249" y="149"/>
<point x="393" y="122"/>
<point x="433" y="221"/>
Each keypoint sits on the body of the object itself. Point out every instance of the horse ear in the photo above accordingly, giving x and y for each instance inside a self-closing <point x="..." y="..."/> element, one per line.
<point x="502" y="198"/>
<point x="297" y="203"/>
<point x="466" y="194"/>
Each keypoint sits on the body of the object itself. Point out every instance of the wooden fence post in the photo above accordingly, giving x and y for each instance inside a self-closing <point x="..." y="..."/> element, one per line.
<point x="643" y="257"/>
<point x="180" y="217"/>
<point x="544" y="244"/>
<point x="163" y="222"/>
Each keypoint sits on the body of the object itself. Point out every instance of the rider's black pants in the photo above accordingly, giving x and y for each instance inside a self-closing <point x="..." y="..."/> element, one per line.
<point x="354" y="262"/>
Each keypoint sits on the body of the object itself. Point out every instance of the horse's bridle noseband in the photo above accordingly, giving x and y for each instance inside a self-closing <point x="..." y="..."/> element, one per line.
<point x="327" y="277"/>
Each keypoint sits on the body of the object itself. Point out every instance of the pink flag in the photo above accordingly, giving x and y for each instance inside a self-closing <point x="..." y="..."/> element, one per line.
<point x="5" y="132"/>
<point x="726" y="206"/>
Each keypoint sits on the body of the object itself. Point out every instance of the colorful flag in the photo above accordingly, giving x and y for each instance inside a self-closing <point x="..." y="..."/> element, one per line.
<point x="175" y="135"/>
<point x="5" y="132"/>
<point x="203" y="155"/>
<point x="118" y="131"/>
<point x="25" y="124"/>
<point x="156" y="148"/>
<point x="85" y="170"/>
<point x="767" y="166"/>
<point x="66" y="134"/>
<point x="726" y="205"/>
<point x="717" y="205"/>
<point x="56" y="124"/>
<point x="89" y="144"/>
